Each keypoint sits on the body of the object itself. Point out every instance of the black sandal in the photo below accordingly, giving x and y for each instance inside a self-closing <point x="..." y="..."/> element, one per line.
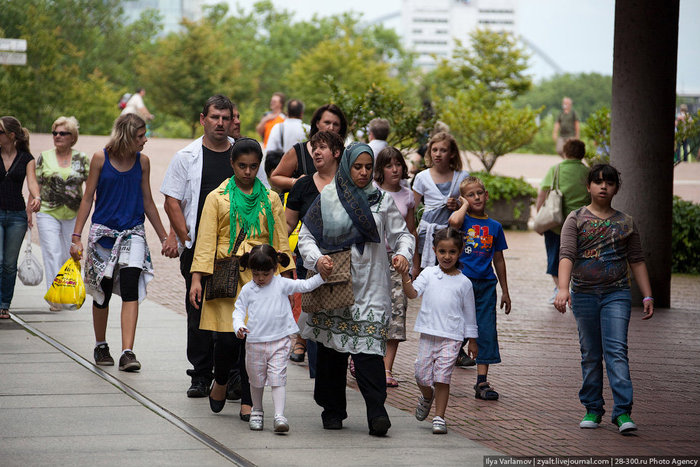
<point x="295" y="356"/>
<point x="485" y="392"/>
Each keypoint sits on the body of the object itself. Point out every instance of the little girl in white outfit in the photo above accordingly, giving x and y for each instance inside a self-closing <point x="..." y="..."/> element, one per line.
<point x="264" y="314"/>
<point x="447" y="316"/>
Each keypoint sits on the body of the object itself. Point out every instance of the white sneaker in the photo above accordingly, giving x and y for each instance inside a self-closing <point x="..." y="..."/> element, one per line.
<point x="256" y="421"/>
<point x="423" y="407"/>
<point x="439" y="426"/>
<point x="281" y="424"/>
<point x="554" y="295"/>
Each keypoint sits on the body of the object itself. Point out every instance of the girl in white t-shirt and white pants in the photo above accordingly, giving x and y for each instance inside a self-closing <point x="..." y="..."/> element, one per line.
<point x="447" y="316"/>
<point x="264" y="316"/>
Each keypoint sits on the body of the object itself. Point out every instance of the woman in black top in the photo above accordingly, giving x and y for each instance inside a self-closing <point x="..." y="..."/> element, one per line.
<point x="17" y="164"/>
<point x="298" y="161"/>
<point x="327" y="148"/>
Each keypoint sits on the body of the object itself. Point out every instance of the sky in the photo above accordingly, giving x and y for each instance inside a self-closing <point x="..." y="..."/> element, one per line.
<point x="576" y="34"/>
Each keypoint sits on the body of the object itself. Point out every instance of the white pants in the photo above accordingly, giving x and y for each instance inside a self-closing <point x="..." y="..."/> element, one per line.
<point x="55" y="239"/>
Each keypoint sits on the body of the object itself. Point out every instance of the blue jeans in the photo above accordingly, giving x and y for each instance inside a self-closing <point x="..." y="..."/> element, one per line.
<point x="552" y="242"/>
<point x="485" y="302"/>
<point x="602" y="321"/>
<point x="13" y="227"/>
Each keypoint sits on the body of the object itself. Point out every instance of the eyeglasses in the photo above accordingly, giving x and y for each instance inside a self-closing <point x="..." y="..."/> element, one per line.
<point x="2" y="132"/>
<point x="62" y="133"/>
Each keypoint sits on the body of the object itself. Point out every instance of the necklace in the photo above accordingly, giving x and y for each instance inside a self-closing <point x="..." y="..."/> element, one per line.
<point x="64" y="160"/>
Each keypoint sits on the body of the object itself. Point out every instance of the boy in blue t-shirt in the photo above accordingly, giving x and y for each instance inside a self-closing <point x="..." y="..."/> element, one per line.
<point x="484" y="242"/>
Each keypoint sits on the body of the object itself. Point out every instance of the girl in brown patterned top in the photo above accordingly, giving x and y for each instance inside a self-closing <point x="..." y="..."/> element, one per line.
<point x="597" y="245"/>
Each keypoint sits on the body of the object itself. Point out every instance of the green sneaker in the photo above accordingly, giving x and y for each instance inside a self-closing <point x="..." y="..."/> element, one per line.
<point x="625" y="424"/>
<point x="590" y="420"/>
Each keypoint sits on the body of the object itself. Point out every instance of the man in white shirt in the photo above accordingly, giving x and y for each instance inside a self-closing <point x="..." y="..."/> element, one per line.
<point x="136" y="106"/>
<point x="378" y="133"/>
<point x="291" y="131"/>
<point x="193" y="172"/>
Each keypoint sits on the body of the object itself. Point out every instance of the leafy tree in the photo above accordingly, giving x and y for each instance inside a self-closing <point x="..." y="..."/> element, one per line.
<point x="494" y="61"/>
<point x="597" y="131"/>
<point x="405" y="119"/>
<point x="589" y="92"/>
<point x="474" y="91"/>
<point x="185" y="69"/>
<point x="542" y="141"/>
<point x="77" y="51"/>
<point x="345" y="61"/>
<point x="487" y="127"/>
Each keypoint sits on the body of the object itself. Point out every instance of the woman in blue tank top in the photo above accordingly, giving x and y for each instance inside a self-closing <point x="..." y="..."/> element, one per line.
<point x="118" y="259"/>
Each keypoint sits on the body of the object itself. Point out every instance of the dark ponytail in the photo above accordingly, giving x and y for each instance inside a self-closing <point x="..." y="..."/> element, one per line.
<point x="263" y="258"/>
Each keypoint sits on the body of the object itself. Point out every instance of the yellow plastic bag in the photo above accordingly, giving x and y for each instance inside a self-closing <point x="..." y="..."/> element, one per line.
<point x="68" y="289"/>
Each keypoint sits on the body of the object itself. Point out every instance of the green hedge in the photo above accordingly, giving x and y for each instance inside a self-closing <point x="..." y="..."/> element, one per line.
<point x="685" y="241"/>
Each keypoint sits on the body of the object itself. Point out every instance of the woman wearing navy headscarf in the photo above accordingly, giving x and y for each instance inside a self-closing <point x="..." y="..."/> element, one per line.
<point x="350" y="213"/>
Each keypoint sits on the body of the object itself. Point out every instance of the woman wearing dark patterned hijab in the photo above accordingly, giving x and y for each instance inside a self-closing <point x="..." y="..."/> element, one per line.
<point x="350" y="213"/>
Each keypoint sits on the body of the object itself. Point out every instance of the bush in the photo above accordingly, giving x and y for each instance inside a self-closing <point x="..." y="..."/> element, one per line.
<point x="505" y="188"/>
<point x="685" y="241"/>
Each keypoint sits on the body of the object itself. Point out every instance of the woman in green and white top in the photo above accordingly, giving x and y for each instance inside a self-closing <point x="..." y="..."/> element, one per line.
<point x="61" y="172"/>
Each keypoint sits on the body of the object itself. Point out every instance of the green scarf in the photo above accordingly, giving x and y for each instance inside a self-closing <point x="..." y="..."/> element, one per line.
<point x="245" y="210"/>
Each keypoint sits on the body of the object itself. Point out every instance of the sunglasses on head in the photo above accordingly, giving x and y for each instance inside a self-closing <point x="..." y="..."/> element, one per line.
<point x="62" y="133"/>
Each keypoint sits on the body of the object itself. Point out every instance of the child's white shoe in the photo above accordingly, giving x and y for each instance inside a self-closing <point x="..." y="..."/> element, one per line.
<point x="423" y="407"/>
<point x="256" y="420"/>
<point x="281" y="424"/>
<point x="439" y="426"/>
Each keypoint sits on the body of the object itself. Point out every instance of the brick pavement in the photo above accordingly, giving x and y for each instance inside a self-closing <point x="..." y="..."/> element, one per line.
<point x="538" y="411"/>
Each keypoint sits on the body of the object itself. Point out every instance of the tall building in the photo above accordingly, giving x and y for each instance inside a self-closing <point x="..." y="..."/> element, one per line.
<point x="171" y="11"/>
<point x="430" y="27"/>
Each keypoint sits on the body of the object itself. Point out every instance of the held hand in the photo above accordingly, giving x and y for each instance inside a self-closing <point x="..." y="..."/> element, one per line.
<point x="324" y="266"/>
<point x="452" y="204"/>
<point x="648" y="309"/>
<point x="196" y="294"/>
<point x="562" y="299"/>
<point x="242" y="331"/>
<point x="472" y="349"/>
<point x="170" y="247"/>
<point x="505" y="301"/>
<point x="35" y="204"/>
<point x="76" y="249"/>
<point x="400" y="264"/>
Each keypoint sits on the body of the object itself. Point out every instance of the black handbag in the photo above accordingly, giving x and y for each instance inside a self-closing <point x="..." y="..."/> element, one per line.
<point x="223" y="283"/>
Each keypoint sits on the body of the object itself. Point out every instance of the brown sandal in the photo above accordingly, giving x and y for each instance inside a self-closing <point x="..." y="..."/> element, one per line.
<point x="485" y="392"/>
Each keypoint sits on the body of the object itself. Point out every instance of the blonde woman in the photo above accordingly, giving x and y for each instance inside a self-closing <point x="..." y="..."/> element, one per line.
<point x="60" y="172"/>
<point x="117" y="257"/>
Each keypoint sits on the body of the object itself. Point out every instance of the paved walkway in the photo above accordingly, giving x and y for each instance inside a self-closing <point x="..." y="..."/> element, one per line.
<point x="537" y="414"/>
<point x="55" y="411"/>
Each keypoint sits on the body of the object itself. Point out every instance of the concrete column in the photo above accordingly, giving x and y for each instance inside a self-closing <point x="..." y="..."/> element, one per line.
<point x="642" y="128"/>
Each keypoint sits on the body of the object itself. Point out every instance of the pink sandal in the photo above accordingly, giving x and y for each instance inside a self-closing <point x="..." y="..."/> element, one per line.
<point x="390" y="380"/>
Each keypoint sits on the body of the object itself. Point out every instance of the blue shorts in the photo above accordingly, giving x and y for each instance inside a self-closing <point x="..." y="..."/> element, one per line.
<point x="485" y="301"/>
<point x="551" y="244"/>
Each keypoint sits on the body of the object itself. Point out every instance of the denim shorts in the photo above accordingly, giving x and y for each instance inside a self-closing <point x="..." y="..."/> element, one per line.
<point x="485" y="301"/>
